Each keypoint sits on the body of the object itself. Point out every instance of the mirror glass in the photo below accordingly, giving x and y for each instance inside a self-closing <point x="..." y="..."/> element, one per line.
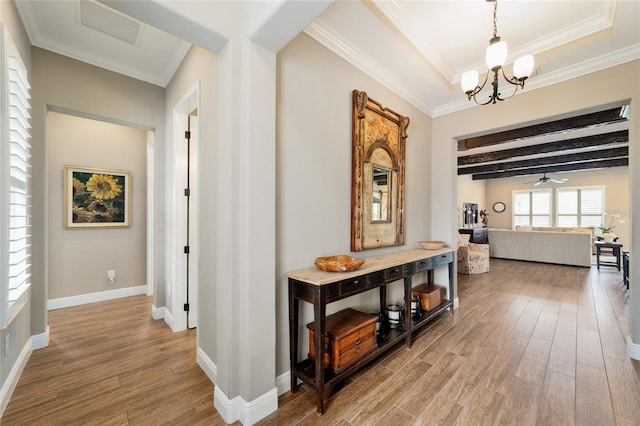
<point x="380" y="207"/>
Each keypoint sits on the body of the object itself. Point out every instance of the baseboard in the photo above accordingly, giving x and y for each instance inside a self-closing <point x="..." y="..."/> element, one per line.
<point x="633" y="348"/>
<point x="168" y="318"/>
<point x="12" y="379"/>
<point x="283" y="382"/>
<point x="207" y="365"/>
<point x="39" y="341"/>
<point x="248" y="413"/>
<point x="101" y="296"/>
<point x="157" y="313"/>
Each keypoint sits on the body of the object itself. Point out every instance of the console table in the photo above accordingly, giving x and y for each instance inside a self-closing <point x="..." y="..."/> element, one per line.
<point x="615" y="252"/>
<point x="320" y="288"/>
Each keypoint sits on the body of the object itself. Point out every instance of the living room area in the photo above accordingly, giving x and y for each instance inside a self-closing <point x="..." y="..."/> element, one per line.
<point x="546" y="196"/>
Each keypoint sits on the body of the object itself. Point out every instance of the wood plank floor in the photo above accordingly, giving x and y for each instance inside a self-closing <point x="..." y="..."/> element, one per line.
<point x="530" y="344"/>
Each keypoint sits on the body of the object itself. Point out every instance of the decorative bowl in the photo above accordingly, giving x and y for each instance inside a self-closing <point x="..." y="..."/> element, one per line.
<point x="340" y="263"/>
<point x="431" y="245"/>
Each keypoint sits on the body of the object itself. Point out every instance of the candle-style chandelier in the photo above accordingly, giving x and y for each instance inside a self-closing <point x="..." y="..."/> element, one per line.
<point x="495" y="58"/>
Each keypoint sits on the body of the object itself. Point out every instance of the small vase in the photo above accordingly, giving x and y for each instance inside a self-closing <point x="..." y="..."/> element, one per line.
<point x="608" y="236"/>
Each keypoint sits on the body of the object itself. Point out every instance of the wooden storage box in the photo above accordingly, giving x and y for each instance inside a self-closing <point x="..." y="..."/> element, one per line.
<point x="350" y="334"/>
<point x="431" y="295"/>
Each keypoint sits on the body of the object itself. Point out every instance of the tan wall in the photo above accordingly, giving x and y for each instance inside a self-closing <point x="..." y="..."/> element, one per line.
<point x="79" y="258"/>
<point x="66" y="84"/>
<point x="470" y="191"/>
<point x="615" y="181"/>
<point x="314" y="171"/>
<point x="201" y="65"/>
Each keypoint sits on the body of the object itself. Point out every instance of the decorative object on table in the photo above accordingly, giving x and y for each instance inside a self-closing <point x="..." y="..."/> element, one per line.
<point x="431" y="245"/>
<point x="484" y="216"/>
<point x="470" y="214"/>
<point x="499" y="207"/>
<point x="430" y="295"/>
<point x="378" y="169"/>
<point x="394" y="315"/>
<point x="415" y="306"/>
<point x="340" y="263"/>
<point x="349" y="335"/>
<point x="96" y="198"/>
<point x="606" y="232"/>
<point x="495" y="58"/>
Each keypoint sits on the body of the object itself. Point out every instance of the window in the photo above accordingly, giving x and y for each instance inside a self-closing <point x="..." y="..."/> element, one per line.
<point x="532" y="208"/>
<point x="15" y="197"/>
<point x="580" y="207"/>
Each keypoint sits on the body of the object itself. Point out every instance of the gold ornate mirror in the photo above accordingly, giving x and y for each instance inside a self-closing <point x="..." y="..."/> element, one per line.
<point x="377" y="184"/>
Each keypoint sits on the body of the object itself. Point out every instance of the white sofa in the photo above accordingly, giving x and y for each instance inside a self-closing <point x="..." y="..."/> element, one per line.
<point x="565" y="248"/>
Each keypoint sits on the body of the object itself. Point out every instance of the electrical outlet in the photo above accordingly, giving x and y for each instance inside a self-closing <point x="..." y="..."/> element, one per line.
<point x="111" y="275"/>
<point x="6" y="345"/>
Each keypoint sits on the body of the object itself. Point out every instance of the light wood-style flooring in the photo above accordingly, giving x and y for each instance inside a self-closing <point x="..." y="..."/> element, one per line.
<point x="530" y="344"/>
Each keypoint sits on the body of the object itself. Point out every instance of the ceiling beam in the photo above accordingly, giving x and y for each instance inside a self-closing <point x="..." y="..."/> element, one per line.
<point x="600" y="154"/>
<point x="599" y="164"/>
<point x="566" y="124"/>
<point x="618" y="137"/>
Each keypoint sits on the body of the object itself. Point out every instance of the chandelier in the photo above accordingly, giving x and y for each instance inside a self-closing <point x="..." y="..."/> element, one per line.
<point x="495" y="59"/>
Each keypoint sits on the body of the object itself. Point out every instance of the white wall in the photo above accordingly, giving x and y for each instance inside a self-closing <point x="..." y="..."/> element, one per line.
<point x="201" y="66"/>
<point x="79" y="258"/>
<point x="314" y="172"/>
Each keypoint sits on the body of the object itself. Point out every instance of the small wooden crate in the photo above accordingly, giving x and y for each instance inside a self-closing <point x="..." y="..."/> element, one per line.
<point x="431" y="295"/>
<point x="349" y="335"/>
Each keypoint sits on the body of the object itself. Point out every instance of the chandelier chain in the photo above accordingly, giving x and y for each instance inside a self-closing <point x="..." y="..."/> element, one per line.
<point x="495" y="18"/>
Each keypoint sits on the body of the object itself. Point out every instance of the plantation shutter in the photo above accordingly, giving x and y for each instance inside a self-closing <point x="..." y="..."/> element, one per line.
<point x="17" y="208"/>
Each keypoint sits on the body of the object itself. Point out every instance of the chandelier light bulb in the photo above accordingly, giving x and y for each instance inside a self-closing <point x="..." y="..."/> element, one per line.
<point x="523" y="67"/>
<point x="496" y="54"/>
<point x="469" y="81"/>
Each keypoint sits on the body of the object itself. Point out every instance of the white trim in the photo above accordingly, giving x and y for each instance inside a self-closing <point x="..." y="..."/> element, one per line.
<point x="14" y="375"/>
<point x="633" y="348"/>
<point x="101" y="296"/>
<point x="168" y="318"/>
<point x="39" y="341"/>
<point x="248" y="413"/>
<point x="157" y="313"/>
<point x="283" y="382"/>
<point x="207" y="365"/>
<point x="456" y="303"/>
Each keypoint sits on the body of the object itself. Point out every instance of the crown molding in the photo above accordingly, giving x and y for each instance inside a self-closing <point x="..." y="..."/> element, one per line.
<point x="324" y="35"/>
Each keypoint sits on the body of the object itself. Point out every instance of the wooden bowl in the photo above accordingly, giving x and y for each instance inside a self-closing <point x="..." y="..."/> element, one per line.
<point x="341" y="263"/>
<point x="431" y="245"/>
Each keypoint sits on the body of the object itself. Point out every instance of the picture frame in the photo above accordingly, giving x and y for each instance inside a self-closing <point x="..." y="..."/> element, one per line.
<point x="378" y="147"/>
<point x="96" y="198"/>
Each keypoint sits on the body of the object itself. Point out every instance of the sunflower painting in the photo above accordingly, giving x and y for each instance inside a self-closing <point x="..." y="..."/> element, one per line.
<point x="96" y="198"/>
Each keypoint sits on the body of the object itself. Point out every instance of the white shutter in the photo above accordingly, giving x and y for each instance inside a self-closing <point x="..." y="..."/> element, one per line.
<point x="16" y="209"/>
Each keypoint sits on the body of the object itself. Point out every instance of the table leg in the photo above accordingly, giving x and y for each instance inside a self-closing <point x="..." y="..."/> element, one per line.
<point x="320" y="314"/>
<point x="616" y="251"/>
<point x="407" y="310"/>
<point x="293" y="334"/>
<point x="598" y="257"/>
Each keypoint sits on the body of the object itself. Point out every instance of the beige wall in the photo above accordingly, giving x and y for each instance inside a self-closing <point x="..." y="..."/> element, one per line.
<point x="201" y="66"/>
<point x="20" y="329"/>
<point x="63" y="84"/>
<point x="314" y="171"/>
<point x="79" y="258"/>
<point x="615" y="181"/>
<point x="613" y="85"/>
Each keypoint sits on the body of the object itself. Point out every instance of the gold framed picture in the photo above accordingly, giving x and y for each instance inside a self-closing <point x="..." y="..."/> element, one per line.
<point x="96" y="198"/>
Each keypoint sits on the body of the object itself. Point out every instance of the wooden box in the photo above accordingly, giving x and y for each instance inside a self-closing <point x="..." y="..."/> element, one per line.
<point x="350" y="334"/>
<point x="431" y="295"/>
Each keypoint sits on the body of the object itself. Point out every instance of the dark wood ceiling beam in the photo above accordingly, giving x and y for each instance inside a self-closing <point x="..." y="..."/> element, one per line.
<point x="599" y="118"/>
<point x="599" y="164"/>
<point x="618" y="137"/>
<point x="600" y="154"/>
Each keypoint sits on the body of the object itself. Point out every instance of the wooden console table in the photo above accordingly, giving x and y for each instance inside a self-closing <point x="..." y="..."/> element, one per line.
<point x="320" y="288"/>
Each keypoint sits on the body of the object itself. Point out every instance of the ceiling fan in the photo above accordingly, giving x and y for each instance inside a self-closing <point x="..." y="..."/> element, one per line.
<point x="546" y="179"/>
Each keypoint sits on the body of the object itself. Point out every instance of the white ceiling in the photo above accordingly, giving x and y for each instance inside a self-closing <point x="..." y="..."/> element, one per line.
<point x="418" y="49"/>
